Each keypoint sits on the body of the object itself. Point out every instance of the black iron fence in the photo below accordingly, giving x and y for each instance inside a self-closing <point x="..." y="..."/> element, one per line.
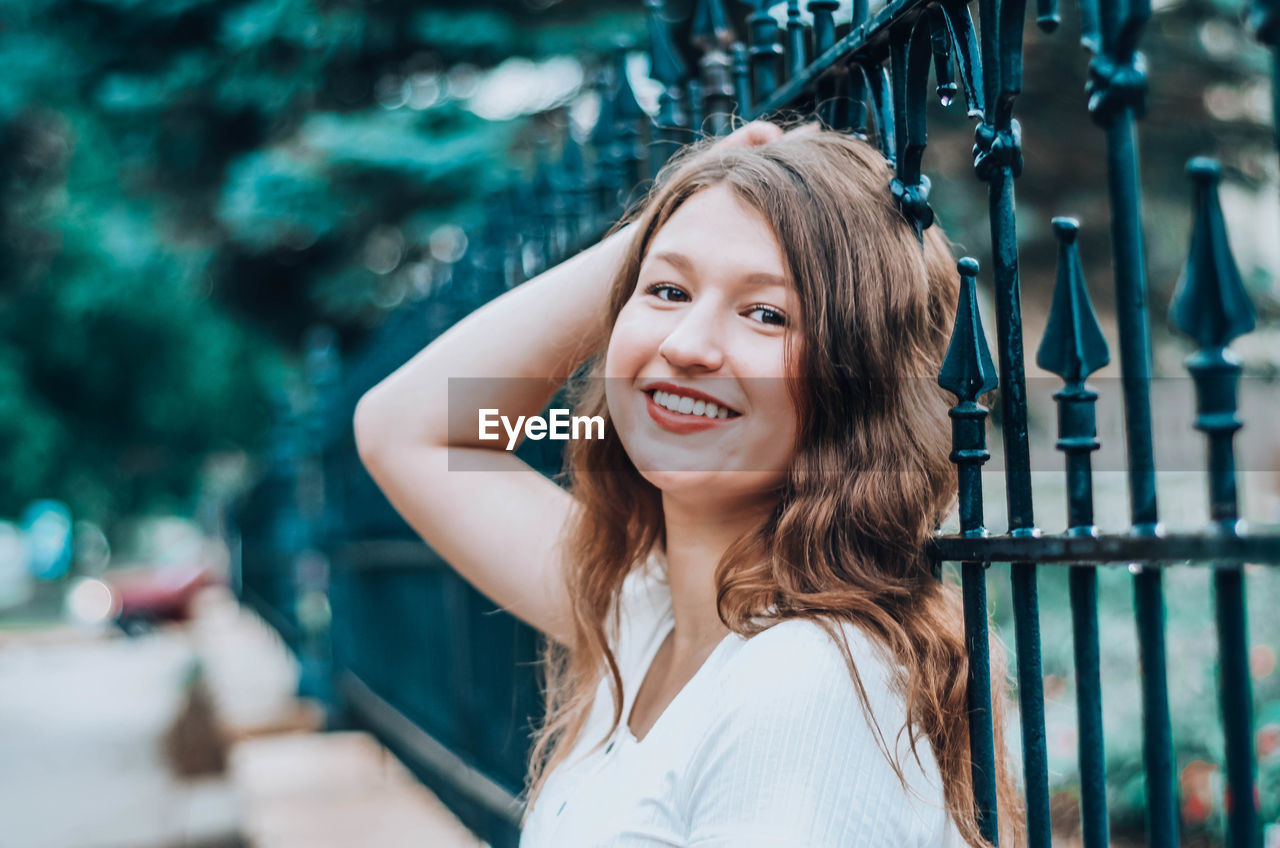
<point x="409" y="650"/>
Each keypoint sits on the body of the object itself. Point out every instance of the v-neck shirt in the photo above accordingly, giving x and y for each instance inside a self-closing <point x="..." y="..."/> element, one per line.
<point x="766" y="745"/>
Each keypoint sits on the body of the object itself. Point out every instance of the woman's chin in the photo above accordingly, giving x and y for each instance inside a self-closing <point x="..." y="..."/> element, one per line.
<point x="703" y="485"/>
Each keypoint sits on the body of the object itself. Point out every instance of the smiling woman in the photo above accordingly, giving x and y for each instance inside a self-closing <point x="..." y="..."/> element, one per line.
<point x="747" y="645"/>
<point x="707" y="317"/>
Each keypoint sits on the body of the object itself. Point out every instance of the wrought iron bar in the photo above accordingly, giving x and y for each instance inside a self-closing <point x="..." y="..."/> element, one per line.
<point x="669" y="69"/>
<point x="968" y="373"/>
<point x="1073" y="348"/>
<point x="940" y="36"/>
<point x="1264" y="20"/>
<point x="764" y="51"/>
<point x="741" y="77"/>
<point x="831" y="91"/>
<point x="910" y="51"/>
<point x="824" y="24"/>
<point x="1117" y="550"/>
<point x="607" y="182"/>
<point x="714" y="38"/>
<point x="548" y="214"/>
<point x="573" y="171"/>
<point x="627" y="118"/>
<point x="866" y="42"/>
<point x="1047" y="16"/>
<point x="968" y="55"/>
<point x="998" y="162"/>
<point x="795" y="52"/>
<point x="1211" y="306"/>
<point x="1117" y="97"/>
<point x="882" y="107"/>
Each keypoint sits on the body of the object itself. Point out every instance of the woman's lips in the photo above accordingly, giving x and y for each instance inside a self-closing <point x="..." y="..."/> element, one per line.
<point x="679" y="422"/>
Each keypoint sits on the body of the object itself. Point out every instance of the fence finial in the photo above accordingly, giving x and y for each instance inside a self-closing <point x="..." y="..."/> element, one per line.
<point x="1211" y="306"/>
<point x="1073" y="346"/>
<point x="968" y="370"/>
<point x="1210" y="303"/>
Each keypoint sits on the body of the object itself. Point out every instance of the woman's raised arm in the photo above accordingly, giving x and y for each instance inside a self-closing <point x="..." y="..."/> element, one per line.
<point x="499" y="527"/>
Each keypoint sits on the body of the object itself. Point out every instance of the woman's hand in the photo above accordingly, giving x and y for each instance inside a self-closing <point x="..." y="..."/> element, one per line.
<point x="757" y="133"/>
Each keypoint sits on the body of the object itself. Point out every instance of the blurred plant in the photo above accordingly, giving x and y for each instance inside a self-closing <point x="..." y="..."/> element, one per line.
<point x="188" y="184"/>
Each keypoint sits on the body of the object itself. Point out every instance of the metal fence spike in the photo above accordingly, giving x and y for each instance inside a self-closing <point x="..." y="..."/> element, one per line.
<point x="1211" y="306"/>
<point x="1209" y="303"/>
<point x="1073" y="346"/>
<point x="967" y="369"/>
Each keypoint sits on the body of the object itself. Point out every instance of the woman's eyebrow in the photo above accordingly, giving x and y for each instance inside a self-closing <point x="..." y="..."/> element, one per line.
<point x="683" y="263"/>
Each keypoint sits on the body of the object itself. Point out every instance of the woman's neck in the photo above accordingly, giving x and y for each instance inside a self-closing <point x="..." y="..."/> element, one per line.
<point x="698" y="534"/>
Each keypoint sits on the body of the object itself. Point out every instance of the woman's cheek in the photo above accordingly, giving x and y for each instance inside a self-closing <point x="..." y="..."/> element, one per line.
<point x="630" y="346"/>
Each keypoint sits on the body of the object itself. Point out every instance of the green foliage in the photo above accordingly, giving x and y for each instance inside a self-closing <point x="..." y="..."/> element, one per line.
<point x="189" y="184"/>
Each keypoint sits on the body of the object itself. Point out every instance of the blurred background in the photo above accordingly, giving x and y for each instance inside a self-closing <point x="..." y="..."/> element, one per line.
<point x="220" y="222"/>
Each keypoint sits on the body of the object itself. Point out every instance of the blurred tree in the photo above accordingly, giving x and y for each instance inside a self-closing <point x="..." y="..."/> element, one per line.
<point x="189" y="184"/>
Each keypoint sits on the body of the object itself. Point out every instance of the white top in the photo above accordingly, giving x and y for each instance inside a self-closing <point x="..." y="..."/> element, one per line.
<point x="767" y="745"/>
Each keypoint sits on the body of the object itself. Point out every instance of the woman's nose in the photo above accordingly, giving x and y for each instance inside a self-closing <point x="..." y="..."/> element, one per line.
<point x="695" y="342"/>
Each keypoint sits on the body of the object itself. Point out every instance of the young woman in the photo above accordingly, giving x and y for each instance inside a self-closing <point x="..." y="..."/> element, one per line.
<point x="746" y="645"/>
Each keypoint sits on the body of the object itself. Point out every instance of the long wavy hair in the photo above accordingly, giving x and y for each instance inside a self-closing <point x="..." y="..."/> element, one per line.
<point x="870" y="482"/>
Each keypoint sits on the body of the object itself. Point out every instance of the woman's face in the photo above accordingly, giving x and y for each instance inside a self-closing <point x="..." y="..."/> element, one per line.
<point x="704" y="332"/>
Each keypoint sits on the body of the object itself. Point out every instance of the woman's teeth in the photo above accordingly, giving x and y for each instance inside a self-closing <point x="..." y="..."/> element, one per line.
<point x="688" y="406"/>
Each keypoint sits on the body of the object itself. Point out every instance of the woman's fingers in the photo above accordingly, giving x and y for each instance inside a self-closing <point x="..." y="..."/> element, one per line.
<point x="807" y="128"/>
<point x="763" y="132"/>
<point x="752" y="134"/>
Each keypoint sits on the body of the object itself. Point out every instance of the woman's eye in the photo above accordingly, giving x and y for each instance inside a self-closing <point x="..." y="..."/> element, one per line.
<point x="769" y="316"/>
<point x="657" y="288"/>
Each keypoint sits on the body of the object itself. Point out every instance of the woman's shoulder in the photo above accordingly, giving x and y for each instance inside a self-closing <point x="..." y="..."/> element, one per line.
<point x="794" y="676"/>
<point x="792" y="745"/>
<point x="802" y="656"/>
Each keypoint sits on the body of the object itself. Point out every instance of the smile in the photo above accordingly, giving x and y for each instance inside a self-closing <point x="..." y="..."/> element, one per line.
<point x="684" y="414"/>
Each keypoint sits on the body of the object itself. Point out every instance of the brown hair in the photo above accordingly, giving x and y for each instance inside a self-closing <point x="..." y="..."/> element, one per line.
<point x="871" y="480"/>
